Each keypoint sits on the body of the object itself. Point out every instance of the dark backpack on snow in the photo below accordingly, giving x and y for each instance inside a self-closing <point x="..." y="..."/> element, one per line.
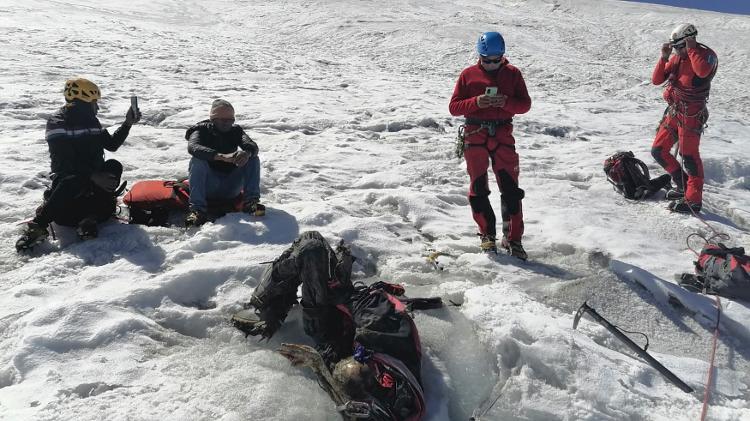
<point x="383" y="325"/>
<point x="721" y="271"/>
<point x="630" y="176"/>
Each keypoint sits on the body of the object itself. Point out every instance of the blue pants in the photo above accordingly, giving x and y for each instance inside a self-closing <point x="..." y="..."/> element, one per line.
<point x="206" y="183"/>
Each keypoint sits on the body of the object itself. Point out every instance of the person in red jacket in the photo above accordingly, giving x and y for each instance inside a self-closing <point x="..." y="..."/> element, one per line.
<point x="688" y="75"/>
<point x="489" y="94"/>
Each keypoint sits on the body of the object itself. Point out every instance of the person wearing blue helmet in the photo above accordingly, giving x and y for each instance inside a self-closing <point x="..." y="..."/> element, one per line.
<point x="488" y="94"/>
<point x="491" y="44"/>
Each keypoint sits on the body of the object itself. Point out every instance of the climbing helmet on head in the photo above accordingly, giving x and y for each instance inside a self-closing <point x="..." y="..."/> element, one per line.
<point x="81" y="89"/>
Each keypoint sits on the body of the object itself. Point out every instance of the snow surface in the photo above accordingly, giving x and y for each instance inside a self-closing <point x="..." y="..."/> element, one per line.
<point x="348" y="102"/>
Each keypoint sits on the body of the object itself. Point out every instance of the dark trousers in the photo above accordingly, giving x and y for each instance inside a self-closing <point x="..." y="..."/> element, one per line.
<point x="72" y="198"/>
<point x="311" y="262"/>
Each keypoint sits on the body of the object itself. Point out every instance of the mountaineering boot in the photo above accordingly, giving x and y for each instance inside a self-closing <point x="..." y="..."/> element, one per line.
<point x="195" y="218"/>
<point x="683" y="206"/>
<point x="251" y="324"/>
<point x="254" y="207"/>
<point x="87" y="229"/>
<point x="487" y="243"/>
<point x="675" y="194"/>
<point x="514" y="248"/>
<point x="33" y="234"/>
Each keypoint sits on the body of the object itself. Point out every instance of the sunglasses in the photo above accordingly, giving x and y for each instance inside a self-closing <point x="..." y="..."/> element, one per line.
<point x="491" y="61"/>
<point x="679" y="45"/>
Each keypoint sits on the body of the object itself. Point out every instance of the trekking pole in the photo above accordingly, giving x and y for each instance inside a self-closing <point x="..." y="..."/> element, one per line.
<point x="632" y="345"/>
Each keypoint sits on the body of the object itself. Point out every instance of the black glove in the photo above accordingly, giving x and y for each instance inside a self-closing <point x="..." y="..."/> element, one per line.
<point x="105" y="181"/>
<point x="132" y="118"/>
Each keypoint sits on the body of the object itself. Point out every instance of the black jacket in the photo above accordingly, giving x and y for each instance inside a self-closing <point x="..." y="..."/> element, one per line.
<point x="204" y="142"/>
<point x="77" y="141"/>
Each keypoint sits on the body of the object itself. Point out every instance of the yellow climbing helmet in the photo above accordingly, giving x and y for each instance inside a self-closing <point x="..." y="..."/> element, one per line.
<point x="81" y="89"/>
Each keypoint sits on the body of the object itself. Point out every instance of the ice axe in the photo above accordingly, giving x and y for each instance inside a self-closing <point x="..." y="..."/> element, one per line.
<point x="585" y="308"/>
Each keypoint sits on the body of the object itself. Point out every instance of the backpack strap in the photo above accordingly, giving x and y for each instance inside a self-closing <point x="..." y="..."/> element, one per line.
<point x="180" y="188"/>
<point x="723" y="251"/>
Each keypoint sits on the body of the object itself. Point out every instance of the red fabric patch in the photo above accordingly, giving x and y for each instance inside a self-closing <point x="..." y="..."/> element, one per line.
<point x="386" y="380"/>
<point x="397" y="304"/>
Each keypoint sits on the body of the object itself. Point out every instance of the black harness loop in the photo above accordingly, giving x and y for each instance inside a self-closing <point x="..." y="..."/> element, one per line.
<point x="490" y="125"/>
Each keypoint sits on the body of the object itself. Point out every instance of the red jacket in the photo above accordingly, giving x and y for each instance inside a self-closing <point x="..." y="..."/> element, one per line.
<point x="475" y="79"/>
<point x="689" y="79"/>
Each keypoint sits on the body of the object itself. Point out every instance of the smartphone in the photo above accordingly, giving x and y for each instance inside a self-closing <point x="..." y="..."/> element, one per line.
<point x="491" y="91"/>
<point x="134" y="104"/>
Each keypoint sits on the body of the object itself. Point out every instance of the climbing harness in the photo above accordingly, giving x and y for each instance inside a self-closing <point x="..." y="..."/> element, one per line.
<point x="490" y="125"/>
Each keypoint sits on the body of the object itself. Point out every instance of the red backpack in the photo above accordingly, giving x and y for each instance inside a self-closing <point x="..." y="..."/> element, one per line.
<point x="151" y="201"/>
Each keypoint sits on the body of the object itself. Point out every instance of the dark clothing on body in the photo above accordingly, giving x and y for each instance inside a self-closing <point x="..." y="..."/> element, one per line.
<point x="204" y="142"/>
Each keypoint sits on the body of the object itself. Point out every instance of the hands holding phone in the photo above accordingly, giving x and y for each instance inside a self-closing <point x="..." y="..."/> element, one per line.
<point x="497" y="101"/>
<point x="132" y="117"/>
<point x="241" y="157"/>
<point x="238" y="158"/>
<point x="134" y="114"/>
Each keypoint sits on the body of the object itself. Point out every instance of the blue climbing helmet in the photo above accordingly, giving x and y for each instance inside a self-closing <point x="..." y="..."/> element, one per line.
<point x="491" y="44"/>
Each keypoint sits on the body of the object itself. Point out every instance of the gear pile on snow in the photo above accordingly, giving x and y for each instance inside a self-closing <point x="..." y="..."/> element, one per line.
<point x="720" y="271"/>
<point x="630" y="176"/>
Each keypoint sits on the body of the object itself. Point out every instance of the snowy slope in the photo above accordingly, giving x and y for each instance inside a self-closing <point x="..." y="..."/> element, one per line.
<point x="348" y="102"/>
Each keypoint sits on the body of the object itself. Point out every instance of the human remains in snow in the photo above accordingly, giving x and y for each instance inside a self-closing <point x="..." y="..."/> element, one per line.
<point x="489" y="94"/>
<point x="367" y="354"/>
<point x="224" y="164"/>
<point x="688" y="74"/>
<point x="84" y="186"/>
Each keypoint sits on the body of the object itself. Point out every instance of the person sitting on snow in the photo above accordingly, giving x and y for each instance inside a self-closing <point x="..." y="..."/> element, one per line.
<point x="367" y="354"/>
<point x="489" y="94"/>
<point x="83" y="190"/>
<point x="224" y="163"/>
<point x="688" y="75"/>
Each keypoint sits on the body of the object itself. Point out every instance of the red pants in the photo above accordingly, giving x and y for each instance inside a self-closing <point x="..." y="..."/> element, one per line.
<point x="686" y="129"/>
<point x="480" y="150"/>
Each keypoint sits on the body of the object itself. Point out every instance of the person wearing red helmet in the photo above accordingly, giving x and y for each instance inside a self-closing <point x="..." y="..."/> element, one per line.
<point x="688" y="74"/>
<point x="488" y="94"/>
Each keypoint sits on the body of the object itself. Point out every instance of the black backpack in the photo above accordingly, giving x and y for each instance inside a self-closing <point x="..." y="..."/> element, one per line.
<point x="384" y="325"/>
<point x="630" y="176"/>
